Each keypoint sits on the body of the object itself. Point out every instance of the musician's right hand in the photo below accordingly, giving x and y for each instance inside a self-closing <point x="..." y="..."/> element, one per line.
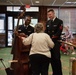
<point x="22" y="35"/>
<point x="22" y="38"/>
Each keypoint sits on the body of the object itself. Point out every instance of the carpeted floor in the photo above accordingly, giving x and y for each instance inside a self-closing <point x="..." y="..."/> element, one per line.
<point x="5" y="54"/>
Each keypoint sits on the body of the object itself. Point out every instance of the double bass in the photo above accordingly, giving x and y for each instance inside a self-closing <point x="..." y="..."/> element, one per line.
<point x="20" y="53"/>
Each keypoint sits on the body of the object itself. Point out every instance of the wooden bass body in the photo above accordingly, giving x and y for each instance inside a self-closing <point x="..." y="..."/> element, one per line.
<point x="21" y="54"/>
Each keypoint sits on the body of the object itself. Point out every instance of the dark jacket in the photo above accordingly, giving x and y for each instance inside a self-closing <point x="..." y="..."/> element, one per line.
<point x="54" y="28"/>
<point x="27" y="30"/>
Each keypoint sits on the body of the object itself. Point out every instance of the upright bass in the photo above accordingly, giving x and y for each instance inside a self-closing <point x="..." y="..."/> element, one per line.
<point x="20" y="53"/>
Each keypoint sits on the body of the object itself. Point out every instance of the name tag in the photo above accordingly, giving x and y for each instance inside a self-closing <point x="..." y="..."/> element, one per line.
<point x="55" y="25"/>
<point x="47" y="25"/>
<point x="29" y="31"/>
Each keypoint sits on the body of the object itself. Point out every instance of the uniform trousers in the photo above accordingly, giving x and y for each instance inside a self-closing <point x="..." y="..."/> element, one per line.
<point x="55" y="59"/>
<point x="39" y="64"/>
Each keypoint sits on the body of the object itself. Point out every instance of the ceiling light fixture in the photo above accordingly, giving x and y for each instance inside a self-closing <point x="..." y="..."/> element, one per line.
<point x="37" y="2"/>
<point x="64" y="2"/>
<point x="9" y="2"/>
<point x="20" y="2"/>
<point x="53" y="2"/>
<point x="70" y="2"/>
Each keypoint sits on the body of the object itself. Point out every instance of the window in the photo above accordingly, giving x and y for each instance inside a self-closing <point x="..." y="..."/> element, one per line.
<point x="20" y="22"/>
<point x="2" y="30"/>
<point x="10" y="23"/>
<point x="9" y="8"/>
<point x="10" y="38"/>
<point x="17" y="8"/>
<point x="2" y="23"/>
<point x="34" y="22"/>
<point x="32" y="9"/>
<point x="69" y="17"/>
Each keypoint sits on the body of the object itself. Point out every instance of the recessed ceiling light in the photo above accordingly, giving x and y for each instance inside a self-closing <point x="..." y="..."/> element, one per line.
<point x="37" y="2"/>
<point x="70" y="2"/>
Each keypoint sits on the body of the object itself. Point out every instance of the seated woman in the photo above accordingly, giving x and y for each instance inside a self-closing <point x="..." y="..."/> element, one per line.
<point x="69" y="38"/>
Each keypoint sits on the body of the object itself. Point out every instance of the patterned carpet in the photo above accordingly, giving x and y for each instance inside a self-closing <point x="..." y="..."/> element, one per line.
<point x="5" y="54"/>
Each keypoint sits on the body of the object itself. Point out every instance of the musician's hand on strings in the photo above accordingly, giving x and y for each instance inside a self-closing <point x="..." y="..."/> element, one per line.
<point x="22" y="35"/>
<point x="16" y="33"/>
<point x="22" y="38"/>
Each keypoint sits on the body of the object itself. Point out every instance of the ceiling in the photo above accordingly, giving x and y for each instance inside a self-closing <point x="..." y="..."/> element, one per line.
<point x="39" y="2"/>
